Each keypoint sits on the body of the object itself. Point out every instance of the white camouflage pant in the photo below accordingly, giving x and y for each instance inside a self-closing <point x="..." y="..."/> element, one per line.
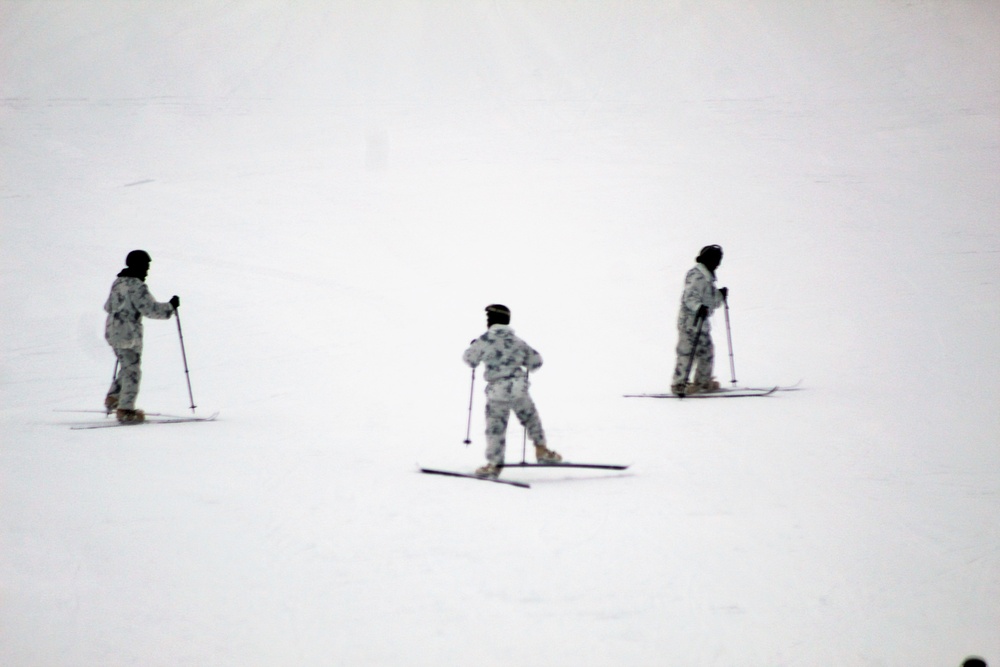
<point x="126" y="383"/>
<point x="700" y="358"/>
<point x="502" y="397"/>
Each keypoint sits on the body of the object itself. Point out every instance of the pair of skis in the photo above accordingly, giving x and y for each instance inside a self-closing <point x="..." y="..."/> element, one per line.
<point x="725" y="392"/>
<point x="718" y="393"/>
<point x="151" y="418"/>
<point x="523" y="464"/>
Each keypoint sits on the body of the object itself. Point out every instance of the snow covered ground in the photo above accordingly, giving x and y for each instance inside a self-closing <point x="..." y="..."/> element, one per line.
<point x="337" y="189"/>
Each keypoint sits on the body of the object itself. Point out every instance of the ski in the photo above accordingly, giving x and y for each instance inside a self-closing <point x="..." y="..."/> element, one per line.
<point x="108" y="414"/>
<point x="166" y="420"/>
<point x="450" y="473"/>
<point x="721" y="393"/>
<point x="564" y="464"/>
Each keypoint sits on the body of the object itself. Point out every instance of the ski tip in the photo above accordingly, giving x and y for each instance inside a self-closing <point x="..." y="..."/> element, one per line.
<point x="496" y="480"/>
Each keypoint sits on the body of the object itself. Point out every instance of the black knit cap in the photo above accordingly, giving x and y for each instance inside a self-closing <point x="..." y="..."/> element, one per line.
<point x="137" y="258"/>
<point x="497" y="314"/>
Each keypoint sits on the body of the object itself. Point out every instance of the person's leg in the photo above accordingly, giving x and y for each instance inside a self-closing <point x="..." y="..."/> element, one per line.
<point x="678" y="384"/>
<point x="129" y="376"/>
<point x="497" y="414"/>
<point x="528" y="415"/>
<point x="704" y="356"/>
<point x="112" y="397"/>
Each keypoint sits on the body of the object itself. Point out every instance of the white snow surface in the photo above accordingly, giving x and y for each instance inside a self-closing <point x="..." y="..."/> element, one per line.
<point x="337" y="189"/>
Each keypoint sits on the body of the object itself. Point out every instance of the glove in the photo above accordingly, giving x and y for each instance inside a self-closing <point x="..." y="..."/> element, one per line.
<point x="175" y="301"/>
<point x="701" y="314"/>
<point x="724" y="291"/>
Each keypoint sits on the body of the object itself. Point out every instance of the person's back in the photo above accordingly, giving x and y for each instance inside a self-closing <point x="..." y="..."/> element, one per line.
<point x="503" y="354"/>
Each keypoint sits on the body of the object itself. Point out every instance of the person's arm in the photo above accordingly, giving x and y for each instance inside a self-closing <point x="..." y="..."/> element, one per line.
<point x="150" y="307"/>
<point x="474" y="354"/>
<point x="533" y="360"/>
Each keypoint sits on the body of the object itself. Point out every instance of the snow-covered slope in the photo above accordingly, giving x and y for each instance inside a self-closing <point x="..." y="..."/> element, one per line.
<point x="336" y="190"/>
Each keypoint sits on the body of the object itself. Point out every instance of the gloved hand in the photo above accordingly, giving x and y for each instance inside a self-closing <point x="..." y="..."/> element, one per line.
<point x="175" y="301"/>
<point x="725" y="292"/>
<point x="701" y="314"/>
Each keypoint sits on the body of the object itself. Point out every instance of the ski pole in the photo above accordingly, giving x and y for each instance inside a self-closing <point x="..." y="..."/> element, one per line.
<point x="184" y="357"/>
<point x="468" y="427"/>
<point x="729" y="337"/>
<point x="694" y="348"/>
<point x="524" y="436"/>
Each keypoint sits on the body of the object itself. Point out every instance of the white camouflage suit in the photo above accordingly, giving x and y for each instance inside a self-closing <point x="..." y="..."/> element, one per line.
<point x="128" y="302"/>
<point x="507" y="359"/>
<point x="699" y="290"/>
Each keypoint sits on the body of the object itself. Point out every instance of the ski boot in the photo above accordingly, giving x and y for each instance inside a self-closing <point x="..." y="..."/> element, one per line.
<point x="703" y="387"/>
<point x="545" y="455"/>
<point x="490" y="471"/>
<point x="110" y="403"/>
<point x="130" y="416"/>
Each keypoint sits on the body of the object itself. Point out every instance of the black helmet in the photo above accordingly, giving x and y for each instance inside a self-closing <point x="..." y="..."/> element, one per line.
<point x="497" y="314"/>
<point x="710" y="253"/>
<point x="138" y="258"/>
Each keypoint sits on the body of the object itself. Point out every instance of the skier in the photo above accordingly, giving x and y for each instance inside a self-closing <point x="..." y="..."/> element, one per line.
<point x="698" y="302"/>
<point x="127" y="303"/>
<point x="508" y="359"/>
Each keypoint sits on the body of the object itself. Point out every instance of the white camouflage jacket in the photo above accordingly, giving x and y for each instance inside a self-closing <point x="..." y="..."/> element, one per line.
<point x="128" y="302"/>
<point x="699" y="290"/>
<point x="504" y="355"/>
